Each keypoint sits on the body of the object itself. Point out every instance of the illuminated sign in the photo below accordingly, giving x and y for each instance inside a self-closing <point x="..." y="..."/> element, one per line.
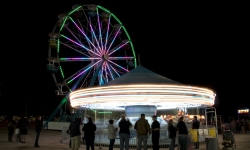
<point x="243" y="111"/>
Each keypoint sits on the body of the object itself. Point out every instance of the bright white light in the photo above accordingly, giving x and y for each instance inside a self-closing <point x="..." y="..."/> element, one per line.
<point x="162" y="96"/>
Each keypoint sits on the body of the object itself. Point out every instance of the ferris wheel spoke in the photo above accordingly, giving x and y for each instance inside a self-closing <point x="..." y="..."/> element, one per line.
<point x="86" y="37"/>
<point x="77" y="59"/>
<point x="80" y="45"/>
<point x="79" y="73"/>
<point x="121" y="58"/>
<point x="93" y="33"/>
<point x="100" y="30"/>
<point x="100" y="76"/>
<point x="118" y="66"/>
<point x="115" y="70"/>
<point x="118" y="47"/>
<point x="110" y="71"/>
<point x="85" y="81"/>
<point x="95" y="75"/>
<point x="75" y="36"/>
<point x="106" y="73"/>
<point x="74" y="49"/>
<point x="83" y="30"/>
<point x="107" y="34"/>
<point x="117" y="32"/>
<point x="75" y="74"/>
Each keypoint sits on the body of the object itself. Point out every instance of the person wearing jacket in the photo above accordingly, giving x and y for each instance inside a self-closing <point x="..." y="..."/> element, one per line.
<point x="182" y="134"/>
<point x="171" y="134"/>
<point x="89" y="133"/>
<point x="24" y="128"/>
<point x="111" y="134"/>
<point x="39" y="125"/>
<point x="143" y="129"/>
<point x="124" y="132"/>
<point x="196" y="125"/>
<point x="75" y="134"/>
<point x="155" y="129"/>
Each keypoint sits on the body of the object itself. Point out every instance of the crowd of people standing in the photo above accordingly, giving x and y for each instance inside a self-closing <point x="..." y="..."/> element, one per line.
<point x="20" y="128"/>
<point x="143" y="130"/>
<point x="240" y="126"/>
<point x="142" y="127"/>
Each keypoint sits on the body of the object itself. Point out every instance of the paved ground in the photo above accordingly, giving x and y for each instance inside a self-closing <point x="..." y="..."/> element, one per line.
<point x="51" y="140"/>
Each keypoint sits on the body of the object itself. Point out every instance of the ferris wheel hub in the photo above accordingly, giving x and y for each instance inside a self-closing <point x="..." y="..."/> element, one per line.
<point x="105" y="57"/>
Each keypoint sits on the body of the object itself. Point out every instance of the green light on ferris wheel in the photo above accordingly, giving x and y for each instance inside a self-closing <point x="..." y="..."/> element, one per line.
<point x="74" y="10"/>
<point x="58" y="45"/>
<point x="65" y="19"/>
<point x="108" y="112"/>
<point x="61" y="72"/>
<point x="126" y="32"/>
<point x="104" y="9"/>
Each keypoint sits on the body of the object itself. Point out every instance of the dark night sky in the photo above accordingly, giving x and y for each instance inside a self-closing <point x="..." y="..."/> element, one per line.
<point x="197" y="44"/>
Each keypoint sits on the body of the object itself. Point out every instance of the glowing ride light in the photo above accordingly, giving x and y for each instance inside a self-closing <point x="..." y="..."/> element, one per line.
<point x="162" y="96"/>
<point x="98" y="41"/>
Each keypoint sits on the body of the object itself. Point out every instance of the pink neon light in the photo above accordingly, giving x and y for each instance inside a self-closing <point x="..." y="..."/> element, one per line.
<point x="110" y="71"/>
<point x="118" y="48"/>
<point x="79" y="45"/>
<point x="100" y="31"/>
<point x="79" y="58"/>
<point x="121" y="58"/>
<point x="83" y="34"/>
<point x="107" y="36"/>
<point x="85" y="70"/>
<point x="94" y="36"/>
<point x="114" y="39"/>
<point x="118" y="66"/>
<point x="74" y="36"/>
<point x="115" y="71"/>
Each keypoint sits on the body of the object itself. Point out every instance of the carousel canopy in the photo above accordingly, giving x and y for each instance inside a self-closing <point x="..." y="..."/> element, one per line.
<point x="141" y="86"/>
<point x="141" y="75"/>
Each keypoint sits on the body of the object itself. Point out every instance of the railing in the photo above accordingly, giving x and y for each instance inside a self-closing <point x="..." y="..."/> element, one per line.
<point x="195" y="135"/>
<point x="102" y="140"/>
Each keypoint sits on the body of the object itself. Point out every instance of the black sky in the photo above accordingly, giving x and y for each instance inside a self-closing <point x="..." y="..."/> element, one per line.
<point x="197" y="44"/>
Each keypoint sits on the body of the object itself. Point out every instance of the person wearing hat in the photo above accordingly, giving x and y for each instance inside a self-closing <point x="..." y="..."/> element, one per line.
<point x="155" y="129"/>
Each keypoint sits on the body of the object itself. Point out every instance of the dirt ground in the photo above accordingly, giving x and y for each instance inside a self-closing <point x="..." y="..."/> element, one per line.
<point x="51" y="140"/>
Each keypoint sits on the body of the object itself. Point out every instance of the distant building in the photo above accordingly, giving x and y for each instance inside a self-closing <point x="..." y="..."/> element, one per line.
<point x="243" y="114"/>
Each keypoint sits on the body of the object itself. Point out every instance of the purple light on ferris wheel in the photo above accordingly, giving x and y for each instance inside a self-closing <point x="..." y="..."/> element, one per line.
<point x="118" y="48"/>
<point x="107" y="35"/>
<point x="79" y="58"/>
<point x="79" y="44"/>
<point x="115" y="71"/>
<point x="83" y="71"/>
<point x="118" y="65"/>
<point x="113" y="39"/>
<point x="100" y="31"/>
<point x="93" y="32"/>
<point x="110" y="71"/>
<point x="83" y="33"/>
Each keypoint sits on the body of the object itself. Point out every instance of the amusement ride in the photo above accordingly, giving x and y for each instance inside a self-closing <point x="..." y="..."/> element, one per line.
<point x="93" y="64"/>
<point x="88" y="46"/>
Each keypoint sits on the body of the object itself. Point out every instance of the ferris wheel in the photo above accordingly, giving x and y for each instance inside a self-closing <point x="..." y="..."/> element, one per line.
<point x="88" y="46"/>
